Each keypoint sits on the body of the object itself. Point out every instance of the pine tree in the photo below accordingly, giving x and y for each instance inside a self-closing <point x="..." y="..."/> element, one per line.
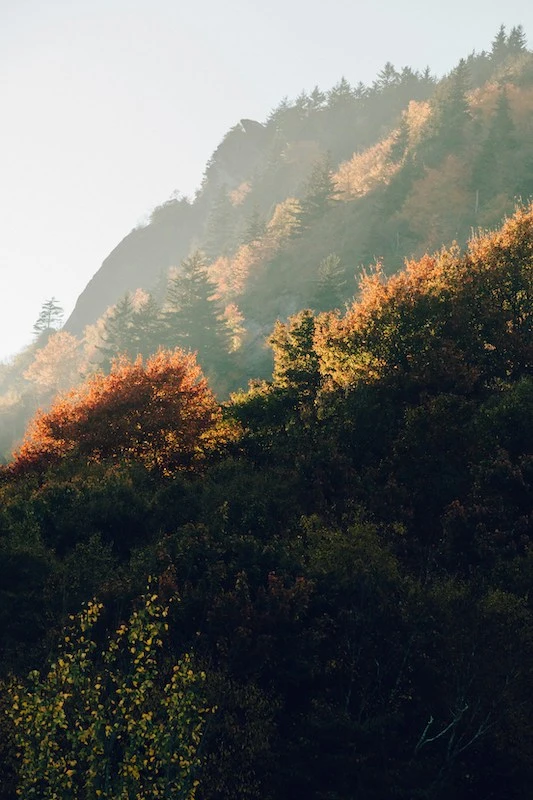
<point x="220" y="237"/>
<point x="193" y="318"/>
<point x="450" y="114"/>
<point x="341" y="94"/>
<point x="147" y="327"/>
<point x="387" y="78"/>
<point x="255" y="226"/>
<point x="517" y="42"/>
<point x="49" y="319"/>
<point x="317" y="99"/>
<point x="117" y="338"/>
<point x="499" y="50"/>
<point x="330" y="283"/>
<point x="492" y="169"/>
<point x="319" y="192"/>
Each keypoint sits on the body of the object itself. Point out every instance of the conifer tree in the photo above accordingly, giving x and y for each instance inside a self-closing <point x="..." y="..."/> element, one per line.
<point x="341" y="94"/>
<point x="220" y="238"/>
<point x="450" y="114"/>
<point x="387" y="78"/>
<point x="193" y="318"/>
<point x="317" y="99"/>
<point x="255" y="226"/>
<point x="49" y="319"/>
<point x="147" y="327"/>
<point x="117" y="337"/>
<point x="516" y="42"/>
<point x="492" y="170"/>
<point x="330" y="283"/>
<point x="319" y="191"/>
<point x="499" y="50"/>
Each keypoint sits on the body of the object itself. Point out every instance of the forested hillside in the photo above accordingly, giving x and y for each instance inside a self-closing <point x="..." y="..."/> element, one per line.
<point x="315" y="584"/>
<point x="289" y="213"/>
<point x="340" y="558"/>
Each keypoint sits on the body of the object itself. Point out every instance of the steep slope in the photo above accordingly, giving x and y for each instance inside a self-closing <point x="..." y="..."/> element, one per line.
<point x="141" y="259"/>
<point x="292" y="210"/>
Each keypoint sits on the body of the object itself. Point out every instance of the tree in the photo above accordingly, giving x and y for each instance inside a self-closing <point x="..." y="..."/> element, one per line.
<point x="193" y="318"/>
<point x="517" y="42"/>
<point x="50" y="317"/>
<point x="58" y="365"/>
<point x="220" y="238"/>
<point x="317" y="99"/>
<point x="341" y="95"/>
<point x="117" y="336"/>
<point x="296" y="364"/>
<point x="330" y="283"/>
<point x="387" y="78"/>
<point x="111" y="723"/>
<point x="450" y="113"/>
<point x="255" y="226"/>
<point x="147" y="324"/>
<point x="319" y="191"/>
<point x="161" y="414"/>
<point x="493" y="167"/>
<point x="499" y="50"/>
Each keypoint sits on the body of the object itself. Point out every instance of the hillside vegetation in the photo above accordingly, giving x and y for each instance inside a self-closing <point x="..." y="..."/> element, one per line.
<point x="289" y="213"/>
<point x="344" y="552"/>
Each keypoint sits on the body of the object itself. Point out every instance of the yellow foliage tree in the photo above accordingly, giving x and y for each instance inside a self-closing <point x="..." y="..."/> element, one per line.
<point x="58" y="365"/>
<point x="102" y="724"/>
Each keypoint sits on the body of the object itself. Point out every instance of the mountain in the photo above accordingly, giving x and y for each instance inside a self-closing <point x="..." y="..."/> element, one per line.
<point x="320" y="589"/>
<point x="318" y="586"/>
<point x="290" y="212"/>
<point x="356" y="174"/>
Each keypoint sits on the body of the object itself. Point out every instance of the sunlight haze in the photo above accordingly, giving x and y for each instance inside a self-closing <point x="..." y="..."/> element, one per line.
<point x="111" y="106"/>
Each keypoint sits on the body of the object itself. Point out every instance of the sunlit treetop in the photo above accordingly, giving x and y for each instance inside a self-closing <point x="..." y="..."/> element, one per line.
<point x="160" y="413"/>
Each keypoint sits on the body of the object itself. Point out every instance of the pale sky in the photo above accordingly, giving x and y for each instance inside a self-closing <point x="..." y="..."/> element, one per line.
<point x="108" y="106"/>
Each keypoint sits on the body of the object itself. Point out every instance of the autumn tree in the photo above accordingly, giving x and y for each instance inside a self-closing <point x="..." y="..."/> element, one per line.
<point x="160" y="413"/>
<point x="58" y="365"/>
<point x="107" y="723"/>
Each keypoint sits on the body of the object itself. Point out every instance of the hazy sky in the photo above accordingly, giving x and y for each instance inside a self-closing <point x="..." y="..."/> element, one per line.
<point x="108" y="106"/>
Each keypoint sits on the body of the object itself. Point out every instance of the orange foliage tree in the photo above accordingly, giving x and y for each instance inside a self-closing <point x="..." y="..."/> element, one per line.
<point x="161" y="414"/>
<point x="447" y="322"/>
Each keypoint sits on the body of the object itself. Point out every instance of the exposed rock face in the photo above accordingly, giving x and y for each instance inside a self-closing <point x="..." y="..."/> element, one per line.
<point x="145" y="253"/>
<point x="137" y="261"/>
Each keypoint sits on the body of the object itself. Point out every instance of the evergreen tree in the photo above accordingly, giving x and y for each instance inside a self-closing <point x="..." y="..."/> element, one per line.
<point x="341" y="95"/>
<point x="220" y="233"/>
<point x="254" y="226"/>
<point x="319" y="192"/>
<point x="493" y="167"/>
<point x="117" y="338"/>
<point x="317" y="99"/>
<point x="330" y="283"/>
<point x="499" y="50"/>
<point x="49" y="319"/>
<point x="387" y="78"/>
<point x="193" y="318"/>
<point x="147" y="327"/>
<point x="450" y="114"/>
<point x="516" y="42"/>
